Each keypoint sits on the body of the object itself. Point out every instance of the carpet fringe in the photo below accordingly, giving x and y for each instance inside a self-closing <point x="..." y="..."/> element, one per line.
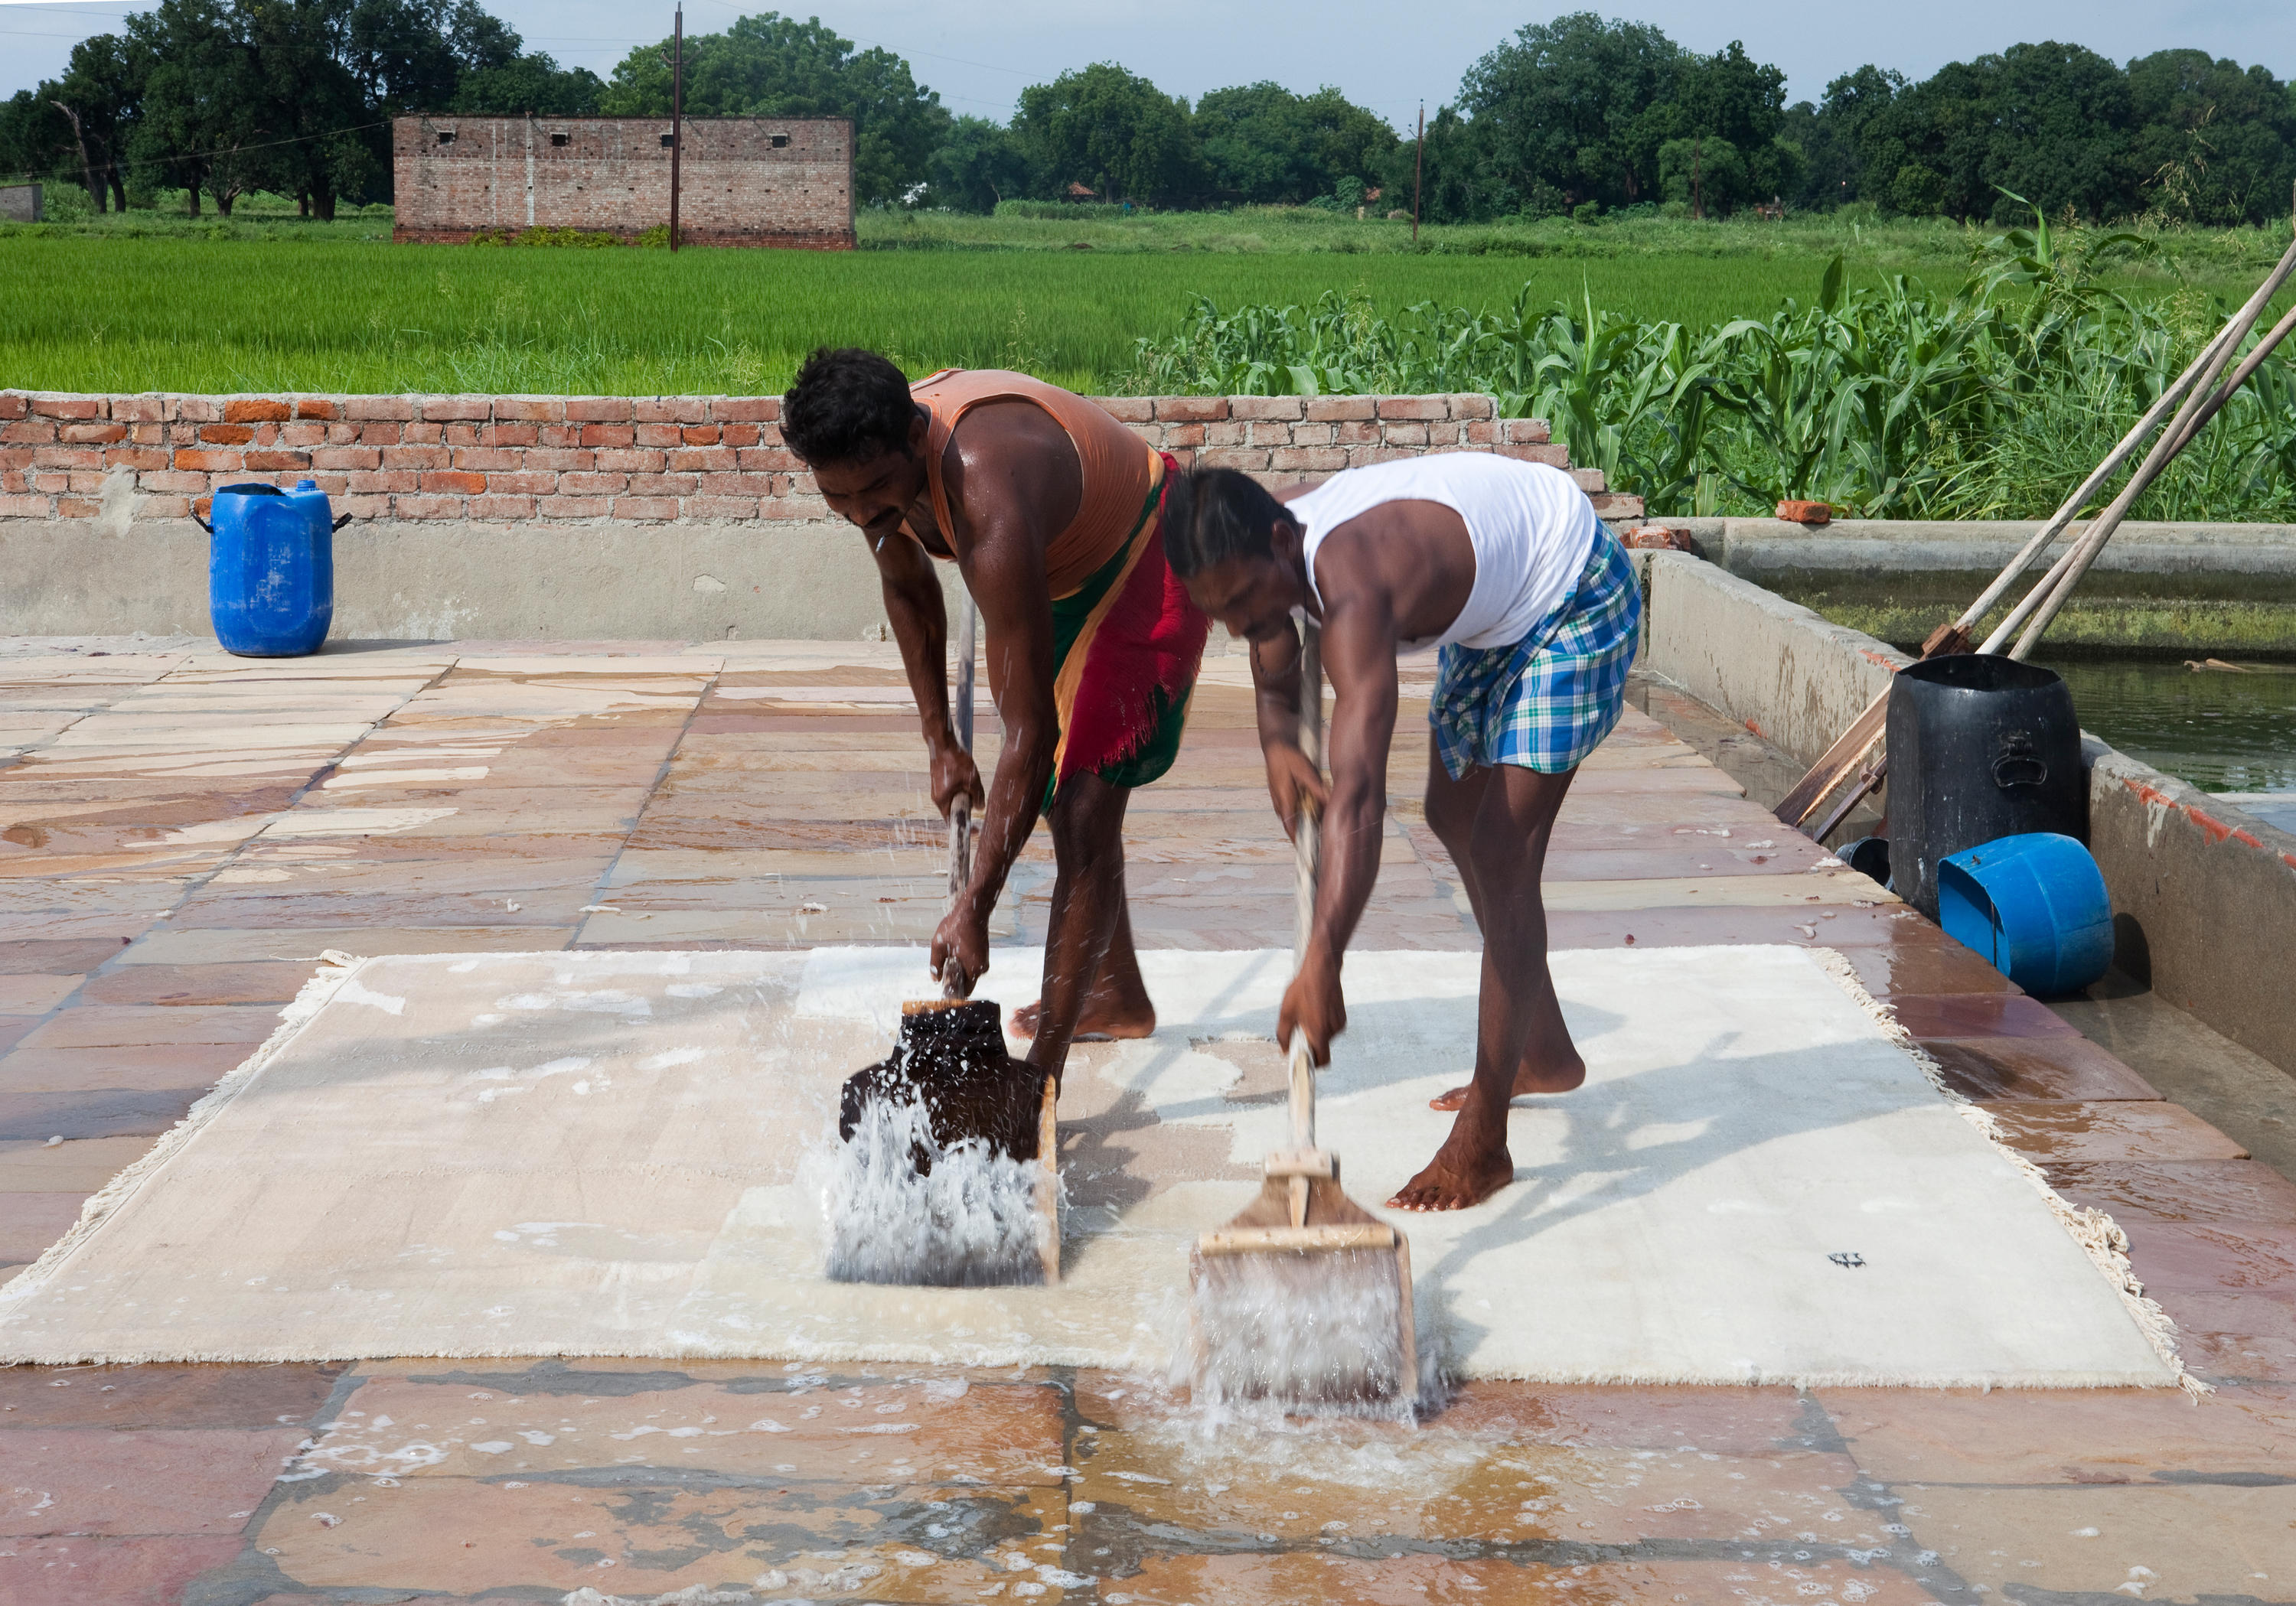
<point x="2097" y="1234"/>
<point x="336" y="969"/>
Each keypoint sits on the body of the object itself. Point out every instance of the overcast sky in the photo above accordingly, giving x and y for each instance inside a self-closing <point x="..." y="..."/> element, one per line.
<point x="979" y="53"/>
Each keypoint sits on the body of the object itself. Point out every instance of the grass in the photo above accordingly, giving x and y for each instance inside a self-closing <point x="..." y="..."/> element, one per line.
<point x="268" y="301"/>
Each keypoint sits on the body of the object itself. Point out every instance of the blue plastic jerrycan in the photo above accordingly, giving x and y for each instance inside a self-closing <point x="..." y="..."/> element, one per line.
<point x="271" y="569"/>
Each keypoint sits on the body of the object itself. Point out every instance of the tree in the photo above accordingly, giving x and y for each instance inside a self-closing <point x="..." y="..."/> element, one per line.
<point x="2061" y="124"/>
<point x="202" y="125"/>
<point x="99" y="97"/>
<point x="1112" y="132"/>
<point x="2212" y="142"/>
<point x="770" y="65"/>
<point x="531" y="85"/>
<point x="979" y="164"/>
<point x="1262" y="144"/>
<point x="1831" y="135"/>
<point x="1706" y="171"/>
<point x="1562" y="109"/>
<point x="1457" y="184"/>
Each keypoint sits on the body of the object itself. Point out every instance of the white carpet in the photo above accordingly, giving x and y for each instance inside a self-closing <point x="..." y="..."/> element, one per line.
<point x="604" y="1154"/>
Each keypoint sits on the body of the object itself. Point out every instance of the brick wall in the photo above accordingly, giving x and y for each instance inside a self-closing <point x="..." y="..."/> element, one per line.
<point x="741" y="181"/>
<point x="629" y="460"/>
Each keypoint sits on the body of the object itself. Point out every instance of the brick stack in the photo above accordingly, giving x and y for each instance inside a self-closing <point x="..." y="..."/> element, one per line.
<point x="631" y="460"/>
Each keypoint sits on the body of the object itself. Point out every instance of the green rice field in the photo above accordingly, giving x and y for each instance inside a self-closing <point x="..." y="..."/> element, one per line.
<point x="147" y="301"/>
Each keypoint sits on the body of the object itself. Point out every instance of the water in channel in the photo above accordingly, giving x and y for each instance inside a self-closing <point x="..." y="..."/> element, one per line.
<point x="2222" y="732"/>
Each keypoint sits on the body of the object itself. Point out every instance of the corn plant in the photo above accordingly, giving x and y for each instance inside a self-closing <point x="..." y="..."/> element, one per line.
<point x="1888" y="402"/>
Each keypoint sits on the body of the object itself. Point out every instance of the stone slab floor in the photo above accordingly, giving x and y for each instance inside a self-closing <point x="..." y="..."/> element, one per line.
<point x="182" y="833"/>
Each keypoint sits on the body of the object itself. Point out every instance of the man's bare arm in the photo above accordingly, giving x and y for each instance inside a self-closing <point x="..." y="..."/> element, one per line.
<point x="919" y="615"/>
<point x="1016" y="609"/>
<point x="1359" y="656"/>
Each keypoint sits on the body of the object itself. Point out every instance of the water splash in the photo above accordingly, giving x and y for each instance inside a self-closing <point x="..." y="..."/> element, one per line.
<point x="971" y="1219"/>
<point x="1319" y="1333"/>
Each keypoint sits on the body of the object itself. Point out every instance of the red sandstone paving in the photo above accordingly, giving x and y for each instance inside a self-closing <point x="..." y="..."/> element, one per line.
<point x="2068" y="1132"/>
<point x="113" y="1026"/>
<point x="158" y="1481"/>
<point x="2033" y="1068"/>
<point x="40" y="1116"/>
<point x="2203" y="1259"/>
<point x="83" y="1571"/>
<point x="29" y="1222"/>
<point x="2227" y="1193"/>
<point x="28" y="997"/>
<point x="198" y="985"/>
<point x="155" y="1069"/>
<point x="2235" y="1338"/>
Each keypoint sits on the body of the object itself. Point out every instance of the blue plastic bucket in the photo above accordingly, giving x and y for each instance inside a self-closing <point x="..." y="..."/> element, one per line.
<point x="271" y="570"/>
<point x="2034" y="904"/>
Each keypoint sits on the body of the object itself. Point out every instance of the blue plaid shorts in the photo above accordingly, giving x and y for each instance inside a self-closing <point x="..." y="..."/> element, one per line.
<point x="1548" y="701"/>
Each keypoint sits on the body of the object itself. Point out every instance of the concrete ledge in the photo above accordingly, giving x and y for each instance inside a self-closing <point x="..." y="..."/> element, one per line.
<point x="2203" y="900"/>
<point x="434" y="582"/>
<point x="1755" y="546"/>
<point x="1782" y="671"/>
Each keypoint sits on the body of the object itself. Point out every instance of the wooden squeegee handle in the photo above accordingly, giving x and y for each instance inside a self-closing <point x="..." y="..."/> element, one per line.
<point x="953" y="982"/>
<point x="1307" y="844"/>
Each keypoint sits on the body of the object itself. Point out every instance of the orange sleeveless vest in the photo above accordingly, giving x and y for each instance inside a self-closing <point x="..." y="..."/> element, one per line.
<point x="1118" y="466"/>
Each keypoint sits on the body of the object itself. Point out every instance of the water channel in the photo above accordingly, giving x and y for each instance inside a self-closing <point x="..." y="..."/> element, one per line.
<point x="2223" y="731"/>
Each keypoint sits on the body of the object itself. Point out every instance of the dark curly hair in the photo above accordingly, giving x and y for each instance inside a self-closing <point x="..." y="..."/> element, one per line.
<point x="1213" y="514"/>
<point x="847" y="405"/>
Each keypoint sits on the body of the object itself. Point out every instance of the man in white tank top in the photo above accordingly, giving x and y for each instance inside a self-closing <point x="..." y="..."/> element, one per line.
<point x="1504" y="566"/>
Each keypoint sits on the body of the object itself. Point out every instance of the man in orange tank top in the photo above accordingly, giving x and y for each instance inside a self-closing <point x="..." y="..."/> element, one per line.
<point x="1052" y="512"/>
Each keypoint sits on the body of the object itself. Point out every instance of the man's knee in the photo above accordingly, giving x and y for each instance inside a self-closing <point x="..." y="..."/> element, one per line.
<point x="1451" y="807"/>
<point x="1088" y="818"/>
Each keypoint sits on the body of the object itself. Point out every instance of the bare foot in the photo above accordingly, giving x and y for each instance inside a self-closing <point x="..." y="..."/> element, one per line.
<point x="1526" y="1081"/>
<point x="1463" y="1174"/>
<point x="1098" y="1025"/>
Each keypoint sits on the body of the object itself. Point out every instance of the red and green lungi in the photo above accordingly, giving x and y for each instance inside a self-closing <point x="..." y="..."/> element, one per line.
<point x="1125" y="648"/>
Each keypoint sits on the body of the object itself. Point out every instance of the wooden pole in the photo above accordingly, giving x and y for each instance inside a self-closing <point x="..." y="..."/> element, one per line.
<point x="1418" y="173"/>
<point x="676" y="117"/>
<point x="2199" y="404"/>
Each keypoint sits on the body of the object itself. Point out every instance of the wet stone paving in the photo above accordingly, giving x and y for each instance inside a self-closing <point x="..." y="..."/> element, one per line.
<point x="183" y="834"/>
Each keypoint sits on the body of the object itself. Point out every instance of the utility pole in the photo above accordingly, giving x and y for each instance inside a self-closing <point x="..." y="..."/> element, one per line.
<point x="676" y="117"/>
<point x="1418" y="173"/>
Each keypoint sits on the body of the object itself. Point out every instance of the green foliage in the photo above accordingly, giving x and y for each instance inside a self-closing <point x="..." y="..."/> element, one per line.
<point x="1066" y="211"/>
<point x="218" y="97"/>
<point x="1707" y="173"/>
<point x="532" y="85"/>
<point x="769" y="65"/>
<point x="1264" y="146"/>
<point x="287" y="303"/>
<point x="2174" y="134"/>
<point x="980" y="167"/>
<point x="580" y="239"/>
<point x="1891" y="402"/>
<point x="1111" y="133"/>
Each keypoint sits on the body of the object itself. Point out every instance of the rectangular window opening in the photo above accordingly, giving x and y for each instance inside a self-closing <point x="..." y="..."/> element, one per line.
<point x="668" y="140"/>
<point x="780" y="140"/>
<point x="445" y="136"/>
<point x="560" y="139"/>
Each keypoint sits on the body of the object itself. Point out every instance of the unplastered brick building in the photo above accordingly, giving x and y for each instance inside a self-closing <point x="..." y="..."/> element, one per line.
<point x="742" y="180"/>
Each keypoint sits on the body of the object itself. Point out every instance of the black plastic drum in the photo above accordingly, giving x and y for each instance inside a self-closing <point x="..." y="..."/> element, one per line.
<point x="1981" y="747"/>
